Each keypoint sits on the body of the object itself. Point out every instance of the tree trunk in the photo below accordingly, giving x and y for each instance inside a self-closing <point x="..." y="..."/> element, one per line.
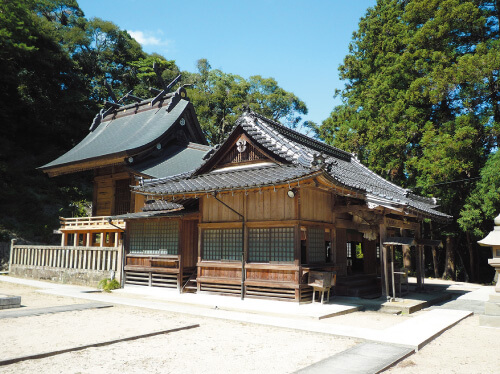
<point x="406" y="253"/>
<point x="435" y="261"/>
<point x="472" y="254"/>
<point x="449" y="267"/>
<point x="407" y="257"/>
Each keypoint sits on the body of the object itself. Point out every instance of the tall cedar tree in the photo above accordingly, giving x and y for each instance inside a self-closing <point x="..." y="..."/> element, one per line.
<point x="420" y="105"/>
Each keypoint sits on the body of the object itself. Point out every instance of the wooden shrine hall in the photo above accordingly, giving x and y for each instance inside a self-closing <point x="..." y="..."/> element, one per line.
<point x="257" y="216"/>
<point x="274" y="205"/>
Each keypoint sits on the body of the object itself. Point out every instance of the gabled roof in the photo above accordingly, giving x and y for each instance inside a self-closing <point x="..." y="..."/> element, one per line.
<point x="301" y="156"/>
<point x="129" y="130"/>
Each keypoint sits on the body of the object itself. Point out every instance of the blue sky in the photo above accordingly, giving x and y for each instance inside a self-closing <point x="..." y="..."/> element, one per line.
<point x="298" y="43"/>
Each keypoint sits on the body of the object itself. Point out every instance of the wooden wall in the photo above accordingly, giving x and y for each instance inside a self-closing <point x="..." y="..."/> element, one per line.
<point x="189" y="242"/>
<point x="215" y="211"/>
<point x="316" y="205"/>
<point x="270" y="205"/>
<point x="104" y="194"/>
<point x="260" y="206"/>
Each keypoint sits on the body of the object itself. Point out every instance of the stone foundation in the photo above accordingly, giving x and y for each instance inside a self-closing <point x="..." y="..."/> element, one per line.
<point x="491" y="317"/>
<point x="67" y="276"/>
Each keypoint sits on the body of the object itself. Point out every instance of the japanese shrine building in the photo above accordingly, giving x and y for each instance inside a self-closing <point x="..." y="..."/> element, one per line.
<point x="274" y="204"/>
<point x="251" y="217"/>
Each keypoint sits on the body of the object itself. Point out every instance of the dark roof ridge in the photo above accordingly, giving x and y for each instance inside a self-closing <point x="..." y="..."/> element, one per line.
<point x="402" y="190"/>
<point x="198" y="146"/>
<point x="304" y="139"/>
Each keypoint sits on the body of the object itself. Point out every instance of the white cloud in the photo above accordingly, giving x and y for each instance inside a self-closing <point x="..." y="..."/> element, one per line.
<point x="147" y="38"/>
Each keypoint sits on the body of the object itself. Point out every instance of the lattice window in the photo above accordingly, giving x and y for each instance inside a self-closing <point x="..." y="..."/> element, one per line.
<point x="271" y="245"/>
<point x="222" y="244"/>
<point x="349" y="249"/>
<point x="317" y="251"/>
<point x="156" y="237"/>
<point x="378" y="251"/>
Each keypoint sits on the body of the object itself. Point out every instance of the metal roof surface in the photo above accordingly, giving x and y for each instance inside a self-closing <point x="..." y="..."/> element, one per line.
<point x="173" y="160"/>
<point x="123" y="134"/>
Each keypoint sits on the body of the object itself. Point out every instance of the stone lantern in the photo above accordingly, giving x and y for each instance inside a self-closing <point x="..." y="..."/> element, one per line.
<point x="491" y="315"/>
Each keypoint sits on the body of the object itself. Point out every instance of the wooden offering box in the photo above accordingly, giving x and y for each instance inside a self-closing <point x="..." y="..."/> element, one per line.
<point x="320" y="279"/>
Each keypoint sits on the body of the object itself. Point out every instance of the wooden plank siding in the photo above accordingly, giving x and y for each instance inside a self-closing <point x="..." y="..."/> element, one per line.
<point x="316" y="205"/>
<point x="104" y="193"/>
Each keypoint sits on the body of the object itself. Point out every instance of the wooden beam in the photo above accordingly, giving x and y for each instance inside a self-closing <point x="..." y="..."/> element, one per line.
<point x="402" y="224"/>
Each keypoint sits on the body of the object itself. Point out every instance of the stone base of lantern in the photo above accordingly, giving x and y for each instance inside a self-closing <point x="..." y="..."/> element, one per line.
<point x="491" y="317"/>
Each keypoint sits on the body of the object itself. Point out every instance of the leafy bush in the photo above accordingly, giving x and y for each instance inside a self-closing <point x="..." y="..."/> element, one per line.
<point x="108" y="284"/>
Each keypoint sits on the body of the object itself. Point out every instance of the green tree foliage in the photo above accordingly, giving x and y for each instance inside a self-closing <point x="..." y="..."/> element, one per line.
<point x="55" y="64"/>
<point x="220" y="98"/>
<point x="420" y="104"/>
<point x="483" y="203"/>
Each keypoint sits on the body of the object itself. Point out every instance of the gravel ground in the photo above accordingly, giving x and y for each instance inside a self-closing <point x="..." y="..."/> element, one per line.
<point x="217" y="346"/>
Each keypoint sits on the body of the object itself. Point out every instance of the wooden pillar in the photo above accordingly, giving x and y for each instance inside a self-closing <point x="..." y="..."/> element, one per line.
<point x="419" y="267"/>
<point x="103" y="236"/>
<point x="383" y="259"/>
<point x="181" y="244"/>
<point x="11" y="254"/>
<point x="75" y="239"/>
<point x="89" y="242"/>
<point x="420" y="262"/>
<point x="63" y="239"/>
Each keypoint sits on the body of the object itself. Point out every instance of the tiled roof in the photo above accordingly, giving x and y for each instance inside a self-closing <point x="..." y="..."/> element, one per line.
<point x="155" y="214"/>
<point x="301" y="152"/>
<point x="155" y="205"/>
<point x="241" y="178"/>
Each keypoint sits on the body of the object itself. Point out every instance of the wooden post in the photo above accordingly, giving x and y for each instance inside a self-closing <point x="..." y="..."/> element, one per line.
<point x="383" y="259"/>
<point x="12" y="244"/>
<point x="63" y="239"/>
<point x="419" y="267"/>
<point x="392" y="274"/>
<point x="88" y="241"/>
<point x="180" y="251"/>
<point x="75" y="239"/>
<point x="420" y="264"/>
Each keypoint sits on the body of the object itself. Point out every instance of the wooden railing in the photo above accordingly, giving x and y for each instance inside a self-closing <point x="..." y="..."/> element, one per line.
<point x="83" y="223"/>
<point x="85" y="258"/>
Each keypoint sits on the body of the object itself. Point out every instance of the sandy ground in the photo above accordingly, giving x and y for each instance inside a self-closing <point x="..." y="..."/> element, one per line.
<point x="217" y="346"/>
<point x="465" y="348"/>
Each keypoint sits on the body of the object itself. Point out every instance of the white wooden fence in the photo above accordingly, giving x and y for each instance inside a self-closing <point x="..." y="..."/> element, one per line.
<point x="84" y="258"/>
